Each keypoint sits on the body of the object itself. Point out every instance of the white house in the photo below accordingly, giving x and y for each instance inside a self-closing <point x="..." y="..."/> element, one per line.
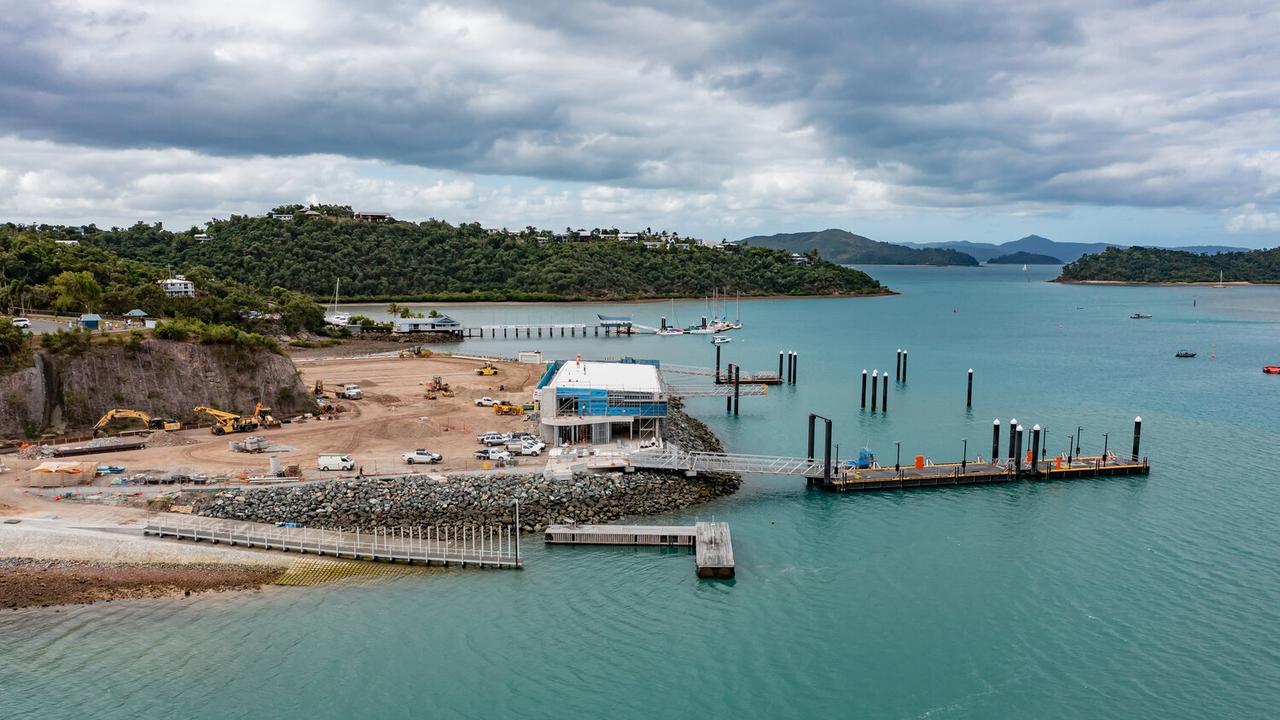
<point x="282" y="216"/>
<point x="178" y="286"/>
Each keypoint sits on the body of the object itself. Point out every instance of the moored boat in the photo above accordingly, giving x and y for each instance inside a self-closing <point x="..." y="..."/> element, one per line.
<point x="1139" y="316"/>
<point x="720" y="340"/>
<point x="1271" y="369"/>
<point x="1184" y="354"/>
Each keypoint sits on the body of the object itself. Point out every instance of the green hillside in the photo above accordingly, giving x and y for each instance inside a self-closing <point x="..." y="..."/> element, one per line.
<point x="845" y="248"/>
<point x="1142" y="264"/>
<point x="434" y="260"/>
<point x="1024" y="258"/>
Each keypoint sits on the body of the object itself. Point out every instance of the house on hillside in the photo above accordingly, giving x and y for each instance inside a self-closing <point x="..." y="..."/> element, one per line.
<point x="177" y="286"/>
<point x="282" y="216"/>
<point x="376" y="217"/>
<point x="798" y="259"/>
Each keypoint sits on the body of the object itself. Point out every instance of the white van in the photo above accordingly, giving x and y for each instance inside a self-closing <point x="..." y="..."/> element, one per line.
<point x="336" y="461"/>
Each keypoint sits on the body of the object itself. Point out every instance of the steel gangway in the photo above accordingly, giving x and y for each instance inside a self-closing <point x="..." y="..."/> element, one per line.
<point x="744" y="390"/>
<point x="687" y="370"/>
<point x="671" y="458"/>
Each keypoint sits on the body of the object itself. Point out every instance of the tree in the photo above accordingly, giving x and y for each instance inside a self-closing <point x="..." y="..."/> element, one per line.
<point x="12" y="339"/>
<point x="76" y="291"/>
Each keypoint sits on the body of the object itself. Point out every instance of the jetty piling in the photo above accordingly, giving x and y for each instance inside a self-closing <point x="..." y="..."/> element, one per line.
<point x="795" y="367"/>
<point x="884" y="401"/>
<point x="904" y="366"/>
<point x="1017" y="451"/>
<point x="875" y="383"/>
<point x="968" y="396"/>
<point x="864" y="389"/>
<point x="1137" y="435"/>
<point x="1013" y="430"/>
<point x="780" y="354"/>
<point x="1035" y="450"/>
<point x="897" y="366"/>
<point x="737" y="389"/>
<point x="995" y="439"/>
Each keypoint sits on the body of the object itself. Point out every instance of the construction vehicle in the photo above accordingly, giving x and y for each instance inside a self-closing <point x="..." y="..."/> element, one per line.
<point x="351" y="391"/>
<point x="503" y="407"/>
<point x="100" y="428"/>
<point x="265" y="419"/>
<point x="438" y="385"/>
<point x="226" y="422"/>
<point x="417" y="351"/>
<point x="487" y="370"/>
<point x="318" y="390"/>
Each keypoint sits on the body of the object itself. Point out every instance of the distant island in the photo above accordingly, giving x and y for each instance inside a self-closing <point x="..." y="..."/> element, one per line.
<point x="845" y="248"/>
<point x="1064" y="251"/>
<point x="1024" y="258"/>
<point x="1157" y="265"/>
<point x="380" y="259"/>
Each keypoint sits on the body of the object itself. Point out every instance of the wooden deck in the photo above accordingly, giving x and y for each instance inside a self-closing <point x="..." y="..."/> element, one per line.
<point x="978" y="473"/>
<point x="713" y="546"/>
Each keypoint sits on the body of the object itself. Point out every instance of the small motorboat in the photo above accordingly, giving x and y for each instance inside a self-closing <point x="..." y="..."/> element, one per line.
<point x="1271" y="369"/>
<point x="1184" y="354"/>
<point x="1139" y="316"/>
<point x="720" y="340"/>
<point x="670" y="331"/>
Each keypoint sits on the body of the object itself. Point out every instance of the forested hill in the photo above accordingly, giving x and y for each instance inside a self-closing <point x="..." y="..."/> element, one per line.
<point x="436" y="260"/>
<point x="841" y="246"/>
<point x="1143" y="264"/>
<point x="1024" y="258"/>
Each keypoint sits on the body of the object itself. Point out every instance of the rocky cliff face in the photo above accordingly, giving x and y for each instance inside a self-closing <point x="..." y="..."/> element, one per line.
<point x="161" y="377"/>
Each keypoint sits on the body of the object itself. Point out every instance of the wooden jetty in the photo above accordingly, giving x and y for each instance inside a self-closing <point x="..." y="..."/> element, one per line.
<point x="948" y="474"/>
<point x="713" y="546"/>
<point x="496" y="547"/>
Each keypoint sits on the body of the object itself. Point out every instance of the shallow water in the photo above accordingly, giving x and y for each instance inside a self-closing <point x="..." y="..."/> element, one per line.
<point x="1119" y="598"/>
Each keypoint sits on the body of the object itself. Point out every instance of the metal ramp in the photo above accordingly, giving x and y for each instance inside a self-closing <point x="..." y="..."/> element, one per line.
<point x="687" y="370"/>
<point x="677" y="459"/>
<point x="715" y="390"/>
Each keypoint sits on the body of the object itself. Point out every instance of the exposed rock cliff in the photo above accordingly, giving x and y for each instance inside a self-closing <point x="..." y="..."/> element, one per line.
<point x="161" y="377"/>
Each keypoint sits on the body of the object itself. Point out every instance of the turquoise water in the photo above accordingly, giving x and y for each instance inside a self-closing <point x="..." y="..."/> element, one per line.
<point x="1149" y="597"/>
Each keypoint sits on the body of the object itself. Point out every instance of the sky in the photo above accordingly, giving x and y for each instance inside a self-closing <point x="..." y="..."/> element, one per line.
<point x="1132" y="123"/>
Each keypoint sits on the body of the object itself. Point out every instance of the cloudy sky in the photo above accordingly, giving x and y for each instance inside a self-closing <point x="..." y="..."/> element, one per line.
<point x="1125" y="122"/>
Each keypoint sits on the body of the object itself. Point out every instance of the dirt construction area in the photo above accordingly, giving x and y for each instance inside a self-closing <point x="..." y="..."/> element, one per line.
<point x="393" y="418"/>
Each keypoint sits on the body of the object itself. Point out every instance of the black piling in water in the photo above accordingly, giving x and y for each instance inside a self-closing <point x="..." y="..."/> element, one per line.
<point x="795" y="367"/>
<point x="780" y="354"/>
<point x="728" y="399"/>
<point x="1013" y="430"/>
<point x="704" y="322"/>
<point x="884" y="401"/>
<point x="717" y="364"/>
<point x="968" y="396"/>
<point x="995" y="440"/>
<point x="1035" y="449"/>
<point x="1017" y="451"/>
<point x="897" y="366"/>
<point x="864" y="388"/>
<point x="737" y="379"/>
<point x="875" y="384"/>
<point x="664" y="322"/>
<point x="904" y="366"/>
<point x="1137" y="436"/>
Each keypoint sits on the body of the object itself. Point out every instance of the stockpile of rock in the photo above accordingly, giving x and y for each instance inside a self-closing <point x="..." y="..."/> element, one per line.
<point x="464" y="500"/>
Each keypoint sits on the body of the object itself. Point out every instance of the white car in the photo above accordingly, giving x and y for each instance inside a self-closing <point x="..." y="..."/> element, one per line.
<point x="493" y="454"/>
<point x="486" y="401"/>
<point x="21" y="322"/>
<point x="493" y="438"/>
<point x="422" y="456"/>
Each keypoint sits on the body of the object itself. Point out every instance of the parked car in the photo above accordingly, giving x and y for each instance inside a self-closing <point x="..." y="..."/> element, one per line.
<point x="526" y="447"/>
<point x="21" y="322"/>
<point x="422" y="456"/>
<point x="335" y="461"/>
<point x="493" y="438"/>
<point x="492" y="454"/>
<point x="485" y="401"/>
<point x="351" y="391"/>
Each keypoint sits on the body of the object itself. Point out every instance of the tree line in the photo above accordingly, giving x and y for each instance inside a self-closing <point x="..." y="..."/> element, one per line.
<point x="1146" y="264"/>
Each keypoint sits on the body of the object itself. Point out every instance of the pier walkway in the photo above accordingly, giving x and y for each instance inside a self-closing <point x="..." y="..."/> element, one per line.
<point x="712" y="543"/>
<point x="670" y="458"/>
<point x="496" y="547"/>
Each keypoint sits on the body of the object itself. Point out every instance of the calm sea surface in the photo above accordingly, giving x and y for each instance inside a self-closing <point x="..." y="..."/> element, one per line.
<point x="1152" y="597"/>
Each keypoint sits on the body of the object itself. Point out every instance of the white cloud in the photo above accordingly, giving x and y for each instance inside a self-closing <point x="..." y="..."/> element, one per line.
<point x="1251" y="220"/>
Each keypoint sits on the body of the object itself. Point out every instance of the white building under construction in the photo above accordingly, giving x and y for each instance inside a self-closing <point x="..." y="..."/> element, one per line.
<point x="599" y="402"/>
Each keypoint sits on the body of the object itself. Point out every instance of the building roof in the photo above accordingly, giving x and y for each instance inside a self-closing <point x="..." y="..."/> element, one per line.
<point x="136" y="312"/>
<point x="607" y="376"/>
<point x="90" y="316"/>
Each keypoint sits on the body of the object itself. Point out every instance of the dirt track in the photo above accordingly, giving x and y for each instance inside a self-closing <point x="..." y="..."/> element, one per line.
<point x="392" y="419"/>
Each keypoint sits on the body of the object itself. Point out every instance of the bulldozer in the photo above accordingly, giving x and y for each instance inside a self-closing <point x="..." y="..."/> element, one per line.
<point x="507" y="408"/>
<point x="265" y="419"/>
<point x="226" y="422"/>
<point x="487" y="370"/>
<point x="417" y="351"/>
<point x="165" y="424"/>
<point x="437" y="386"/>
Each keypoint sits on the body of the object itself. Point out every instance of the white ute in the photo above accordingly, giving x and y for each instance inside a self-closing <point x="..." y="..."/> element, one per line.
<point x="422" y="456"/>
<point x="493" y="454"/>
<point x="486" y="401"/>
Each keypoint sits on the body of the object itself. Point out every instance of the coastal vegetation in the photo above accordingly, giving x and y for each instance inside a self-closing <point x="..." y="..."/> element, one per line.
<point x="1145" y="264"/>
<point x="1024" y="258"/>
<point x="843" y="247"/>
<point x="436" y="261"/>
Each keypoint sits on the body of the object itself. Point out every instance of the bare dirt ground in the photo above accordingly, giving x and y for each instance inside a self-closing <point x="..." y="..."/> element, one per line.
<point x="393" y="418"/>
<point x="29" y="583"/>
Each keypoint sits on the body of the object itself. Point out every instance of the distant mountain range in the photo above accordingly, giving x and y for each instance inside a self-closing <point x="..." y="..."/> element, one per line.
<point x="1024" y="258"/>
<point x="1065" y="251"/>
<point x="845" y="248"/>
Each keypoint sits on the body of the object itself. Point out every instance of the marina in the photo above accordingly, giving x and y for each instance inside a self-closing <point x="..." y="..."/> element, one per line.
<point x="712" y="543"/>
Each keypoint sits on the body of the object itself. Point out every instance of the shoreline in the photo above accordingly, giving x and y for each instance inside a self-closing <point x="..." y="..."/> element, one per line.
<point x="886" y="292"/>
<point x="1163" y="283"/>
<point x="27" y="582"/>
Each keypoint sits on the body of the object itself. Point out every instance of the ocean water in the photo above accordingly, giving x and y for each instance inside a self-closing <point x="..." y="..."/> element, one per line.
<point x="1154" y="597"/>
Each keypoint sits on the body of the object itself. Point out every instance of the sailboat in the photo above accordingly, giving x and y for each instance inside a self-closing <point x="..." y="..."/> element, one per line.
<point x="1220" y="283"/>
<point x="334" y="316"/>
<point x="673" y="329"/>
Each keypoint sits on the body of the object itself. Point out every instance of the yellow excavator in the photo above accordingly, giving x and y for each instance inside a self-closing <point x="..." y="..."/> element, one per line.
<point x="225" y="422"/>
<point x="100" y="428"/>
<point x="263" y="413"/>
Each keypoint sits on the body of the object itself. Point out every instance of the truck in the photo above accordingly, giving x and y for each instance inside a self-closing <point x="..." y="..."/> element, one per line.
<point x="493" y="438"/>
<point x="351" y="391"/>
<point x="422" y="455"/>
<point x="493" y="454"/>
<point x="485" y="401"/>
<point x="525" y="446"/>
